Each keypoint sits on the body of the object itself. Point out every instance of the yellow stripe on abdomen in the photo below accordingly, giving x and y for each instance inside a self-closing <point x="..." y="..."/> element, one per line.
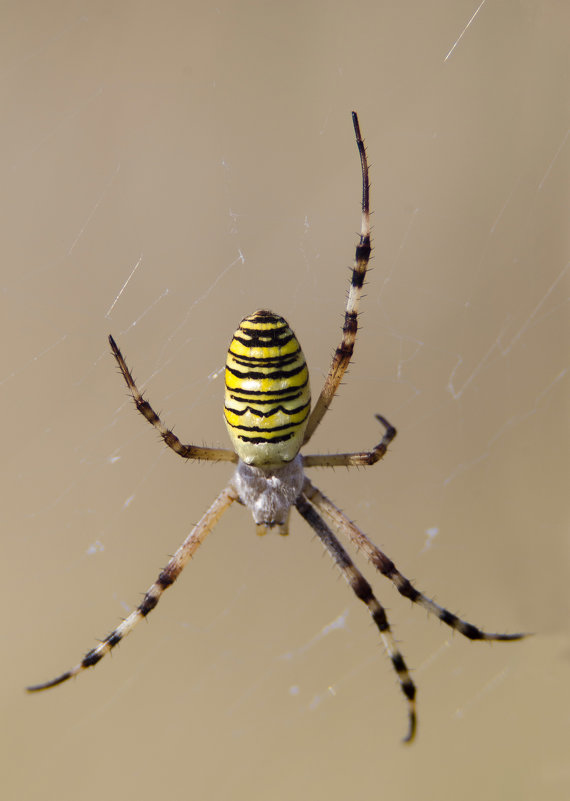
<point x="268" y="398"/>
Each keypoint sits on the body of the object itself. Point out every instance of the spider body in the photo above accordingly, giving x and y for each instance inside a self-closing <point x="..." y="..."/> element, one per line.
<point x="268" y="399"/>
<point x="267" y="413"/>
<point x="266" y="409"/>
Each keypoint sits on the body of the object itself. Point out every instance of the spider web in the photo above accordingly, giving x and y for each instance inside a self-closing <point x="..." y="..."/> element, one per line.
<point x="160" y="188"/>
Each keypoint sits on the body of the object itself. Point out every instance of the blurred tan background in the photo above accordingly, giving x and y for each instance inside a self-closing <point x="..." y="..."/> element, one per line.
<point x="167" y="168"/>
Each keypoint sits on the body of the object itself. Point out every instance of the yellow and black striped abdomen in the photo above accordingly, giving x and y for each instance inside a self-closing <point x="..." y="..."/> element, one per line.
<point x="268" y="398"/>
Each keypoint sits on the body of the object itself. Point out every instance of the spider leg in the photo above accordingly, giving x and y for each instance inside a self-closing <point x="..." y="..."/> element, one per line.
<point x="385" y="565"/>
<point x="343" y="353"/>
<point x="363" y="591"/>
<point x="167" y="577"/>
<point x="144" y="407"/>
<point x="352" y="459"/>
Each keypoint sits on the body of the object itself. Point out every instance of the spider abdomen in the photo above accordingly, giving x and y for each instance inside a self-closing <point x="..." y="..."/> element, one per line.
<point x="268" y="399"/>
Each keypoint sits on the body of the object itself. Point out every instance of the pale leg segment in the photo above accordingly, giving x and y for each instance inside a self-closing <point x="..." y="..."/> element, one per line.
<point x="385" y="565"/>
<point x="343" y="353"/>
<point x="144" y="407"/>
<point x="360" y="459"/>
<point x="363" y="591"/>
<point x="166" y="578"/>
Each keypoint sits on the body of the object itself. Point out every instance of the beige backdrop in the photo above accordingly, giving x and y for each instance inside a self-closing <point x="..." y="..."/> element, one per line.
<point x="167" y="168"/>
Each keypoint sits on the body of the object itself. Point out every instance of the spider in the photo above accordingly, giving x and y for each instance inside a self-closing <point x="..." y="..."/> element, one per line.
<point x="268" y="416"/>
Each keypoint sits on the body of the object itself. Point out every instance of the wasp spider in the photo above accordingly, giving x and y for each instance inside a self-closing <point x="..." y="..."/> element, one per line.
<point x="268" y="417"/>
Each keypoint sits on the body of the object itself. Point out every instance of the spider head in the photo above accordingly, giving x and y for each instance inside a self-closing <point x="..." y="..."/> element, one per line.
<point x="269" y="493"/>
